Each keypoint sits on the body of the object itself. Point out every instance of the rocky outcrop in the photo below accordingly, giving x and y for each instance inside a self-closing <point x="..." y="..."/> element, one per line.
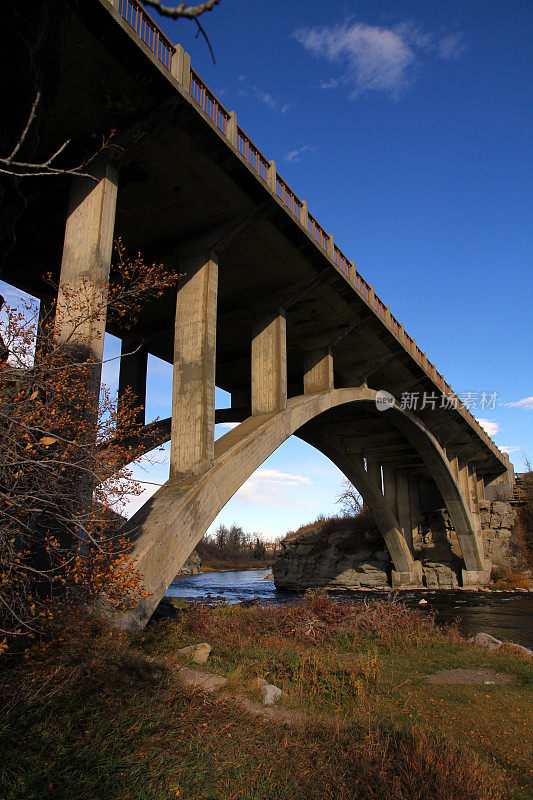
<point x="193" y="565"/>
<point x="341" y="557"/>
<point x="499" y="538"/>
<point x="338" y="560"/>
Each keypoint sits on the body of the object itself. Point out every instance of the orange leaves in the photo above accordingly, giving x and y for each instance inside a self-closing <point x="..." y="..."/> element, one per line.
<point x="46" y="441"/>
<point x="63" y="456"/>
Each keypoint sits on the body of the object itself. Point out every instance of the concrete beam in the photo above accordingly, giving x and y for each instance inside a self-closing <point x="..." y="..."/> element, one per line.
<point x="318" y="370"/>
<point x="193" y="389"/>
<point x="269" y="362"/>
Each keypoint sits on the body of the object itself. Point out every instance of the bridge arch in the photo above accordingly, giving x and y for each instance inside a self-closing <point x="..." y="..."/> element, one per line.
<point x="168" y="527"/>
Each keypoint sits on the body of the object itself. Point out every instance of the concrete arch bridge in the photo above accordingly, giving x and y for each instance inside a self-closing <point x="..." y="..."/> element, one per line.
<point x="269" y="307"/>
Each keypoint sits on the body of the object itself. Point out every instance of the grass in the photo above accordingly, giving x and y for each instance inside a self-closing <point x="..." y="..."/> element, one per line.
<point x="101" y="715"/>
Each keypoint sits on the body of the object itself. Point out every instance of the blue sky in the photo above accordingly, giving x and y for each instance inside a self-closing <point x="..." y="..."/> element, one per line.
<point x="407" y="127"/>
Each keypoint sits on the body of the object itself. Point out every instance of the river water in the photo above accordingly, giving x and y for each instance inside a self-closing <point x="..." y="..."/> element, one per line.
<point x="506" y="615"/>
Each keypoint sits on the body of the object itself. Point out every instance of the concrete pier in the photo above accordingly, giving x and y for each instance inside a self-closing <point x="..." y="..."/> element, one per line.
<point x="193" y="387"/>
<point x="269" y="362"/>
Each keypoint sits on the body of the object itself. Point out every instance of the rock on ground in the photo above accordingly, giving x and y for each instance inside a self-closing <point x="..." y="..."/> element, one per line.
<point x="199" y="653"/>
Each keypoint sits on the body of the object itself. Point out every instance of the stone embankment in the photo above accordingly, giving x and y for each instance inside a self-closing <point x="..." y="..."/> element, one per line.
<point x="338" y="558"/>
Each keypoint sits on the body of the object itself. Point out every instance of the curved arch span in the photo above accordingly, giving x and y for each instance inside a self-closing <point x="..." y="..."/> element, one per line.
<point x="168" y="527"/>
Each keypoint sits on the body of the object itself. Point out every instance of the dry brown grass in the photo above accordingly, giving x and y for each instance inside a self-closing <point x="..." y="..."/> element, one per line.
<point x="95" y="714"/>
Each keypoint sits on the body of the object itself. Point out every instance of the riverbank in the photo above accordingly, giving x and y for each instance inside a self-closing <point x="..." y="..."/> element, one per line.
<point x="508" y="615"/>
<point x="104" y="714"/>
<point x="236" y="566"/>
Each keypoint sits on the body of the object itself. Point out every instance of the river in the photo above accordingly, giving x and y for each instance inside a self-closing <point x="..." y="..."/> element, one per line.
<point x="506" y="615"/>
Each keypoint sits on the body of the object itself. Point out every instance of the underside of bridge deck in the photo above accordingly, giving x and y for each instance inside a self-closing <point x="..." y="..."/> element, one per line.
<point x="261" y="311"/>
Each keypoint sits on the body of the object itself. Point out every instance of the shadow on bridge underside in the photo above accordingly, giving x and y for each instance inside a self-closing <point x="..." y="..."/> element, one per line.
<point x="168" y="527"/>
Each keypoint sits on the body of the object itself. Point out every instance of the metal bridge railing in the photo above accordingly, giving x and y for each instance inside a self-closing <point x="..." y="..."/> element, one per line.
<point x="173" y="58"/>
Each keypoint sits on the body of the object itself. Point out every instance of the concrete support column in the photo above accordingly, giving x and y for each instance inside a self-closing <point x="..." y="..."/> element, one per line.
<point x="472" y="482"/>
<point x="389" y="488"/>
<point x="374" y="475"/>
<point x="240" y="398"/>
<point x="318" y="370"/>
<point x="132" y="375"/>
<point x="415" y="512"/>
<point x="464" y="483"/>
<point x="454" y="464"/>
<point x="404" y="509"/>
<point x="269" y="362"/>
<point x="81" y="301"/>
<point x="193" y="388"/>
<point x="480" y="488"/>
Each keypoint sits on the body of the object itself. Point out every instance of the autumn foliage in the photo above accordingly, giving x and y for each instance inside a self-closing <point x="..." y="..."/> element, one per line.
<point x="66" y="455"/>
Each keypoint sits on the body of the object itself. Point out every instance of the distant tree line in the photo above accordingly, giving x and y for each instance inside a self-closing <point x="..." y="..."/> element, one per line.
<point x="232" y="543"/>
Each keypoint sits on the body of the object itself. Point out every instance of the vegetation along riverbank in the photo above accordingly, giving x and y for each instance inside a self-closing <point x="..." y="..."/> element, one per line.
<point x="378" y="703"/>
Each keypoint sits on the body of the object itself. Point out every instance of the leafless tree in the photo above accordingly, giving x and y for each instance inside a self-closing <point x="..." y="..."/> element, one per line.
<point x="350" y="500"/>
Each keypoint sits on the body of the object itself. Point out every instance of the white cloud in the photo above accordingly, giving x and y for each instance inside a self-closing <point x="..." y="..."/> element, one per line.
<point x="229" y="425"/>
<point x="451" y="46"/>
<point x="527" y="403"/>
<point x="490" y="427"/>
<point x="375" y="58"/>
<point x="293" y="156"/>
<point x="271" y="487"/>
<point x="508" y="448"/>
<point x="271" y="101"/>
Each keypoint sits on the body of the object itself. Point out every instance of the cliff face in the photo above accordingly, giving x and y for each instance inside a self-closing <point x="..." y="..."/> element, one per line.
<point x="339" y="557"/>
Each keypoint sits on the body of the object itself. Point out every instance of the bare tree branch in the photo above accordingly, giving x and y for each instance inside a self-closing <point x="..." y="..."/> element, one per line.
<point x="26" y="129"/>
<point x="182" y="10"/>
<point x="204" y="34"/>
<point x="27" y="169"/>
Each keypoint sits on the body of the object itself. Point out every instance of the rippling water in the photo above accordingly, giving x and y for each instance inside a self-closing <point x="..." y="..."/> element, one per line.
<point x="506" y="615"/>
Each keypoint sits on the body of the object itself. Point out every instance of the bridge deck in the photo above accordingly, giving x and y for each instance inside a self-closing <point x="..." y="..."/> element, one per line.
<point x="190" y="178"/>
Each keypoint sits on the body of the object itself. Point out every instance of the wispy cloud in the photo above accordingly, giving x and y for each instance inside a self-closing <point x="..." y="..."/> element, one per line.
<point x="506" y="448"/>
<point x="294" y="156"/>
<point x="244" y="89"/>
<point x="271" y="487"/>
<point x="451" y="46"/>
<point x="374" y="58"/>
<point x="526" y="402"/>
<point x="229" y="425"/>
<point x="490" y="427"/>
